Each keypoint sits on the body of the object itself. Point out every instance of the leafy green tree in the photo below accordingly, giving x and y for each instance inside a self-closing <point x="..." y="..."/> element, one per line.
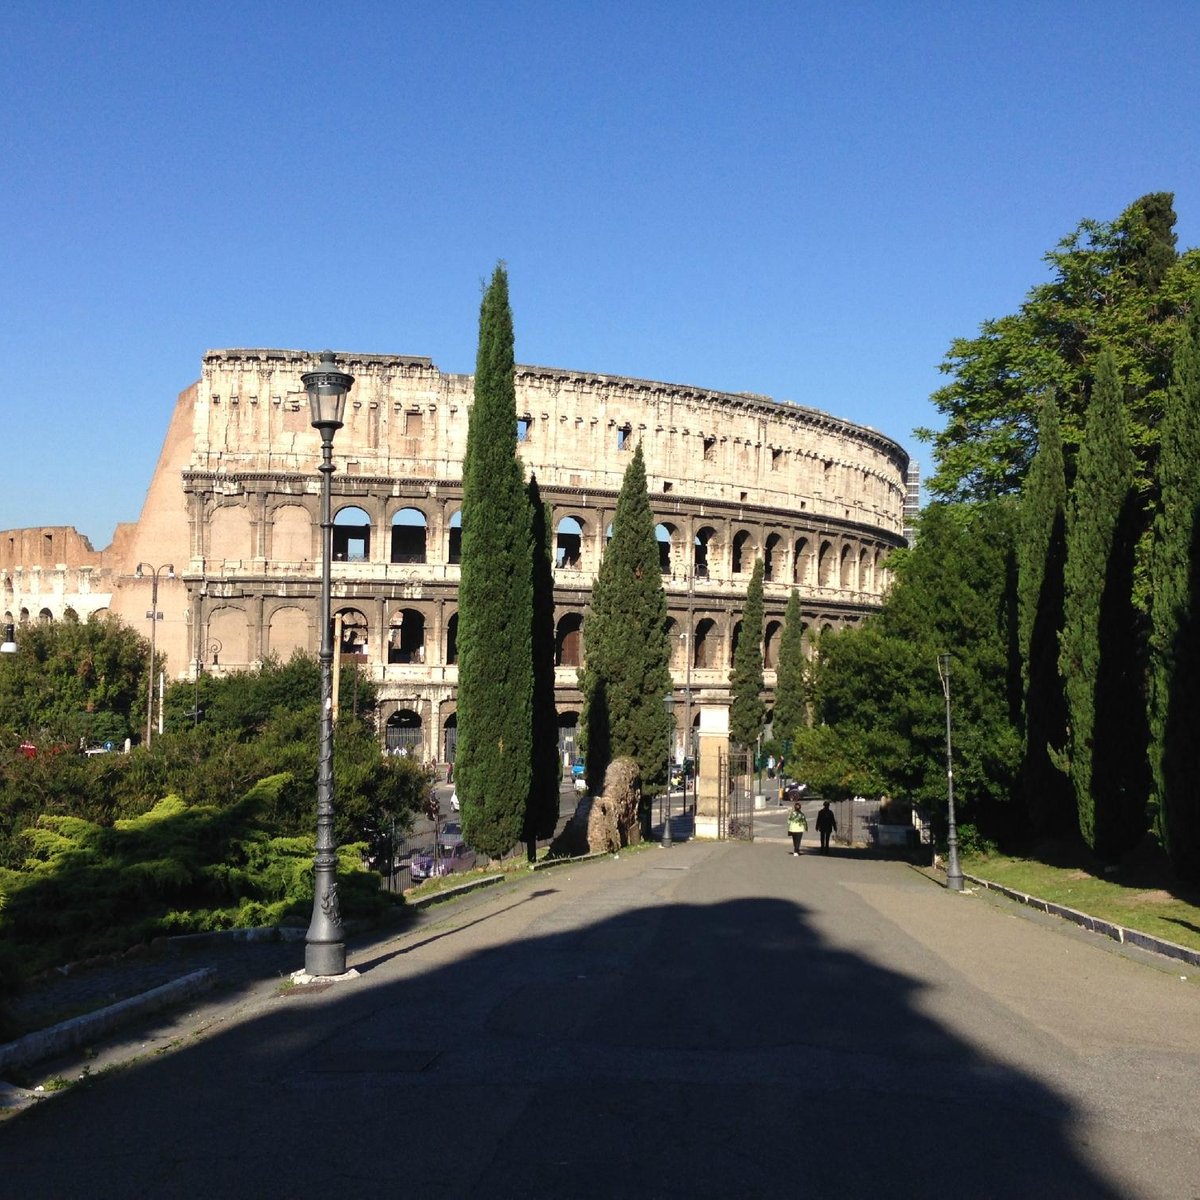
<point x="541" y="813"/>
<point x="626" y="672"/>
<point x="1118" y="284"/>
<point x="1175" y="613"/>
<point x="1100" y="640"/>
<point x="791" y="701"/>
<point x="877" y="685"/>
<point x="1041" y="554"/>
<point x="747" y="712"/>
<point x="70" y="682"/>
<point x="495" y="616"/>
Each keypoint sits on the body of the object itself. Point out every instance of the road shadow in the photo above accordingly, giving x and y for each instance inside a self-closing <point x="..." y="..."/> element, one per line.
<point x="675" y="1051"/>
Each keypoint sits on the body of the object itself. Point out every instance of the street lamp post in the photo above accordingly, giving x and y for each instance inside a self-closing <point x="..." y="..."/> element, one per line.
<point x="9" y="645"/>
<point x="325" y="947"/>
<point x="154" y="616"/>
<point x="669" y="705"/>
<point x="954" y="875"/>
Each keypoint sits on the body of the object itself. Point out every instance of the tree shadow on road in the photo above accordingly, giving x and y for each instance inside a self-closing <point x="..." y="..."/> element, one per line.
<point x="684" y="1050"/>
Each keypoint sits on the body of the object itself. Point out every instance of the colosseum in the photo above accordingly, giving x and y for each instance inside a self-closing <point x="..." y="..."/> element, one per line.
<point x="226" y="553"/>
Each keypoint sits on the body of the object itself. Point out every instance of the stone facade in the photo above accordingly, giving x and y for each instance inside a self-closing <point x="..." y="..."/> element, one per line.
<point x="233" y="507"/>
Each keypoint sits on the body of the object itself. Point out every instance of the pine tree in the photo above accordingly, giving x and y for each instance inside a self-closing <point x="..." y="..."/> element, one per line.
<point x="1108" y="742"/>
<point x="1175" y="629"/>
<point x="791" y="700"/>
<point x="746" y="709"/>
<point x="541" y="816"/>
<point x="626" y="672"/>
<point x="495" y="671"/>
<point x="1041" y="553"/>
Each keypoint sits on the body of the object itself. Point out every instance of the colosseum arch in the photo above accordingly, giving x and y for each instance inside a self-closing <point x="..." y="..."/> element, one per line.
<point x="665" y="535"/>
<point x="846" y="569"/>
<point x="45" y="617"/>
<point x="452" y="640"/>
<point x="772" y="557"/>
<point x="406" y="636"/>
<point x="825" y="565"/>
<point x="802" y="563"/>
<point x="291" y="534"/>
<point x="351" y="535"/>
<point x="771" y="644"/>
<point x="287" y="632"/>
<point x="229" y="533"/>
<point x="568" y="542"/>
<point x="864" y="570"/>
<point x="706" y="548"/>
<point x="356" y="633"/>
<point x="706" y="647"/>
<point x="410" y="527"/>
<point x="742" y="561"/>
<point x="230" y="626"/>
<point x="568" y="640"/>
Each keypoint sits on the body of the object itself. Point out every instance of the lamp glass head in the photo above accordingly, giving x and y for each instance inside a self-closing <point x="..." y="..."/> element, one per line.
<point x="327" y="388"/>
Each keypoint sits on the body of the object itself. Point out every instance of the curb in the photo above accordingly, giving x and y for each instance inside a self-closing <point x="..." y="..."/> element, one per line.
<point x="1109" y="929"/>
<point x="67" y="1035"/>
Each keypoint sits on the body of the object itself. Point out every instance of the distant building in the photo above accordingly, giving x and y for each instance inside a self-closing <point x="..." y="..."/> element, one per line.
<point x="912" y="501"/>
<point x="233" y="506"/>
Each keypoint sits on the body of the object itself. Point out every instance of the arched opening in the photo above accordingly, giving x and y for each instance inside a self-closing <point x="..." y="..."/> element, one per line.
<point x="351" y="535"/>
<point x="408" y="536"/>
<point x="406" y="637"/>
<point x="450" y="737"/>
<point x="802" y="562"/>
<point x="452" y="640"/>
<point x="568" y="641"/>
<point x="354" y="633"/>
<point x="70" y="616"/>
<point x="741" y="553"/>
<point x="454" y="544"/>
<point x="825" y="565"/>
<point x="771" y="644"/>
<point x="846" y="569"/>
<point x="771" y="556"/>
<point x="705" y="650"/>
<point x="733" y="642"/>
<point x="402" y="733"/>
<point x="568" y="544"/>
<point x="864" y="571"/>
<point x="568" y="738"/>
<point x="45" y="617"/>
<point x="664" y="535"/>
<point x="703" y="548"/>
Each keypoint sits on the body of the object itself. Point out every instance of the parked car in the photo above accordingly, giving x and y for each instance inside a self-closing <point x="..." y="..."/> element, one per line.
<point x="451" y="856"/>
<point x="454" y="805"/>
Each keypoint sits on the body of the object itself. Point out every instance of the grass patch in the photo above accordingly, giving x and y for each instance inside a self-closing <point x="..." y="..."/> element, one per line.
<point x="1140" y="903"/>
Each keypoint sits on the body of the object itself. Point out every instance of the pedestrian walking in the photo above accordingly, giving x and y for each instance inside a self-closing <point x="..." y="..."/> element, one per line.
<point x="826" y="824"/>
<point x="797" y="825"/>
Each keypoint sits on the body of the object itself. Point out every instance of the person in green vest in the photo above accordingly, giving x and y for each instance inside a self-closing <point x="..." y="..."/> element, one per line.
<point x="797" y="825"/>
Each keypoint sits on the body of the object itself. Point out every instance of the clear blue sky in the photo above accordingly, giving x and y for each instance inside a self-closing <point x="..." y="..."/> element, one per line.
<point x="806" y="200"/>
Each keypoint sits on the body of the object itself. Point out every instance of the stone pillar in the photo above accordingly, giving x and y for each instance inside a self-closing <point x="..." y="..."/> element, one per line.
<point x="714" y="749"/>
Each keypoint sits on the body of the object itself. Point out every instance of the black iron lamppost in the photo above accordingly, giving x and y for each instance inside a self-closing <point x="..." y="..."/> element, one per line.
<point x="954" y="875"/>
<point x="154" y="617"/>
<point x="9" y="645"/>
<point x="669" y="705"/>
<point x="325" y="947"/>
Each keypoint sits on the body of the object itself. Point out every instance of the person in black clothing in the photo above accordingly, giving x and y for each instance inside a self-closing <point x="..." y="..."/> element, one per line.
<point x="826" y="824"/>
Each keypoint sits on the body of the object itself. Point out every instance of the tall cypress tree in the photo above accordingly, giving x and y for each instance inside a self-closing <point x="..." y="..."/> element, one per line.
<point x="1108" y="745"/>
<point x="541" y="815"/>
<point x="1041" y="555"/>
<point x="791" y="701"/>
<point x="626" y="671"/>
<point x="746" y="709"/>
<point x="1175" y="614"/>
<point x="495" y="612"/>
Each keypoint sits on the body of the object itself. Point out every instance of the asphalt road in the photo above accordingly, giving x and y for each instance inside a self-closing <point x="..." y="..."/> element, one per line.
<point x="711" y="1020"/>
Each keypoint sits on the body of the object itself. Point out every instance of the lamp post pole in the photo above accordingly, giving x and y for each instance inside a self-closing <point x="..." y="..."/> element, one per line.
<point x="155" y="616"/>
<point x="325" y="947"/>
<point x="669" y="705"/>
<point x="954" y="875"/>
